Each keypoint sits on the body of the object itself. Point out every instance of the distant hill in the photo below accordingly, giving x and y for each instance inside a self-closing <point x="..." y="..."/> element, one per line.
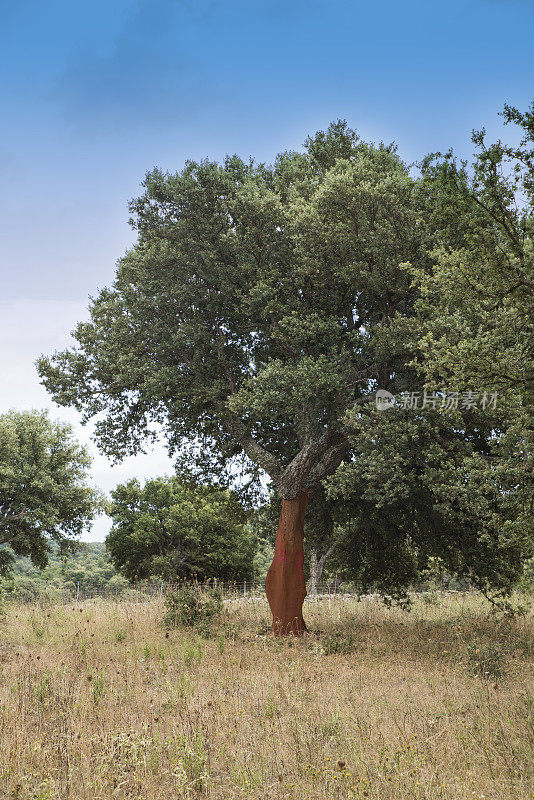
<point x="88" y="570"/>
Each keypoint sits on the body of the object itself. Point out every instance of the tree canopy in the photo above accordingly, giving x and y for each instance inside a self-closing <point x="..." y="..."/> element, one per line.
<point x="173" y="529"/>
<point x="44" y="494"/>
<point x="419" y="487"/>
<point x="476" y="306"/>
<point x="253" y="310"/>
<point x="474" y="327"/>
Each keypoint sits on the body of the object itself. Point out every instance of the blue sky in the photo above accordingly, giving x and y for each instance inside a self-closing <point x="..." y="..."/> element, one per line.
<point x="94" y="94"/>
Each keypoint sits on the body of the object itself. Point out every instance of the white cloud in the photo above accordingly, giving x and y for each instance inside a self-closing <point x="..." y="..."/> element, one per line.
<point x="29" y="328"/>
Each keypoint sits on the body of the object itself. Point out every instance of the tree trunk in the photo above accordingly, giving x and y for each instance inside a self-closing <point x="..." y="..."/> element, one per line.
<point x="285" y="585"/>
<point x="314" y="572"/>
<point x="317" y="565"/>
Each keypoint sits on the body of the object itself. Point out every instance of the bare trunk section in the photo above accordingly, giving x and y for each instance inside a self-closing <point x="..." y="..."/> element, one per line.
<point x="317" y="564"/>
<point x="317" y="567"/>
<point x="285" y="585"/>
<point x="314" y="572"/>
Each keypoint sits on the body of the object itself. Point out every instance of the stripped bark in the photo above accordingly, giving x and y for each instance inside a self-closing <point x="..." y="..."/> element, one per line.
<point x="285" y="585"/>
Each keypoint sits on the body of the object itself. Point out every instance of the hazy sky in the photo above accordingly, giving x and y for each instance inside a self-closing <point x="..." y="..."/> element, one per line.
<point x="95" y="93"/>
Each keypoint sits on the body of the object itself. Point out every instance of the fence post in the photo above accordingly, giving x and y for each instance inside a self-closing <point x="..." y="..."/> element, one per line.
<point x="245" y="589"/>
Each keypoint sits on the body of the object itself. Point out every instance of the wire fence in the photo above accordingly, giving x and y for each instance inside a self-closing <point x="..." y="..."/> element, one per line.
<point x="146" y="591"/>
<point x="143" y="591"/>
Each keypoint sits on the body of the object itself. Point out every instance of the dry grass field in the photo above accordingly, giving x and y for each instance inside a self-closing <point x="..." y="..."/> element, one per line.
<point x="98" y="701"/>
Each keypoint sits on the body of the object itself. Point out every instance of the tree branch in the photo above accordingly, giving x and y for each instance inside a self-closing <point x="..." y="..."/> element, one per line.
<point x="327" y="465"/>
<point x="315" y="459"/>
<point x="253" y="449"/>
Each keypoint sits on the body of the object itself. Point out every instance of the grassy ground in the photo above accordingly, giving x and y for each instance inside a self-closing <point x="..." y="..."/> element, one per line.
<point x="98" y="701"/>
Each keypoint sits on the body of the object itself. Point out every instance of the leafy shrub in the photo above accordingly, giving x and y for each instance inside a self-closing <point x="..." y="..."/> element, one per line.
<point x="205" y="629"/>
<point x="486" y="659"/>
<point x="430" y="598"/>
<point x="194" y="607"/>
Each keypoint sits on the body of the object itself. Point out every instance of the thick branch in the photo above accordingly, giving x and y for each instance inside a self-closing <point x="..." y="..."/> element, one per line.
<point x="327" y="465"/>
<point x="315" y="459"/>
<point x="253" y="449"/>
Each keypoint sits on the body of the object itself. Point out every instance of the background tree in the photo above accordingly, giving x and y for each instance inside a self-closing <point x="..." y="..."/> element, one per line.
<point x="250" y="315"/>
<point x="87" y="570"/>
<point x="326" y="529"/>
<point x="173" y="529"/>
<point x="44" y="496"/>
<point x="477" y="302"/>
<point x="262" y="525"/>
<point x="474" y="328"/>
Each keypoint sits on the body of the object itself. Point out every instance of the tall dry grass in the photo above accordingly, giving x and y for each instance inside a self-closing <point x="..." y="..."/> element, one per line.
<point x="98" y="701"/>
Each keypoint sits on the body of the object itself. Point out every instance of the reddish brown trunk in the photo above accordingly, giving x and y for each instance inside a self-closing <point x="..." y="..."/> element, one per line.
<point x="285" y="585"/>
